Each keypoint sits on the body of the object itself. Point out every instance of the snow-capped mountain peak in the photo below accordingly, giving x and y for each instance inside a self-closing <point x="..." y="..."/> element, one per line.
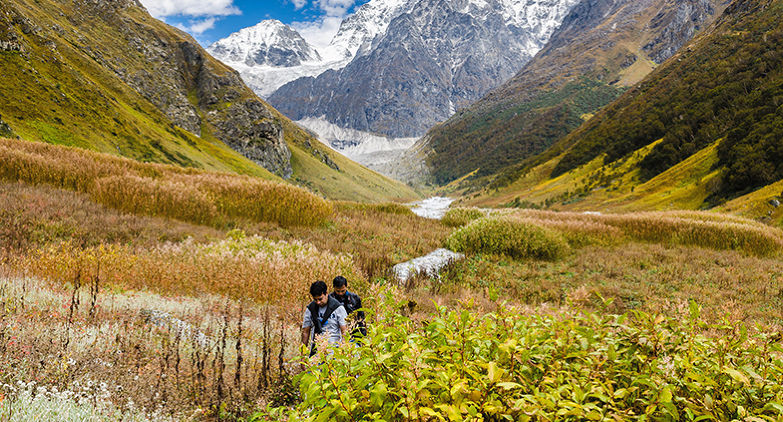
<point x="269" y="43"/>
<point x="359" y="30"/>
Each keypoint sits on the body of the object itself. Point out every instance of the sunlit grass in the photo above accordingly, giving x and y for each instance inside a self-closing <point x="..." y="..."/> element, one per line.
<point x="693" y="228"/>
<point x="201" y="197"/>
<point x="505" y="236"/>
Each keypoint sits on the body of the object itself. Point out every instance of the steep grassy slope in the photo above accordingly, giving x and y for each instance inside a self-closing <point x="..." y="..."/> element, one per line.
<point x="728" y="86"/>
<point x="602" y="48"/>
<point x="619" y="186"/>
<point x="55" y="92"/>
<point x="106" y="76"/>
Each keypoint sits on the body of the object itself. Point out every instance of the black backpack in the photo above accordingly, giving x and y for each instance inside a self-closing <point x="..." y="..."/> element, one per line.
<point x="318" y="324"/>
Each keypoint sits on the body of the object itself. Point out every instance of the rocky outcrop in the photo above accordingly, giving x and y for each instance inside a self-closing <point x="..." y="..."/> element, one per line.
<point x="5" y="130"/>
<point x="434" y="59"/>
<point x="246" y="125"/>
<point x="10" y="46"/>
<point x="676" y="25"/>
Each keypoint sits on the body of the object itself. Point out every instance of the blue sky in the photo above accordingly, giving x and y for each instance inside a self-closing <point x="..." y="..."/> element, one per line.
<point x="211" y="20"/>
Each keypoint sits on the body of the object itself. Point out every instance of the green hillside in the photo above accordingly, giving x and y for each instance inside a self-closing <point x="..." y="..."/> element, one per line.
<point x="702" y="131"/>
<point x="106" y="76"/>
<point x="489" y="140"/>
<point x="728" y="86"/>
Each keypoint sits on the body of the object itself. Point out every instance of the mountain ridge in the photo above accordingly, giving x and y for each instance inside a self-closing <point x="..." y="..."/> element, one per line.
<point x="700" y="132"/>
<point x="429" y="62"/>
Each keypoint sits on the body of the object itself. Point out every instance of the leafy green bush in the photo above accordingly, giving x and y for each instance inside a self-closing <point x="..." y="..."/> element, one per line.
<point x="503" y="236"/>
<point x="509" y="365"/>
<point x="458" y="217"/>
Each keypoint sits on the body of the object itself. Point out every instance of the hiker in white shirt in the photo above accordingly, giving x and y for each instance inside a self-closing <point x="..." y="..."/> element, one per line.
<point x="323" y="316"/>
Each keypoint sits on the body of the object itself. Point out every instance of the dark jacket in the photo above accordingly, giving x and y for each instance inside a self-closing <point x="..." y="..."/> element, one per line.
<point x="352" y="303"/>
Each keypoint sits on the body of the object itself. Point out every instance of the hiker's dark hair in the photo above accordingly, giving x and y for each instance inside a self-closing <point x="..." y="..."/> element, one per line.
<point x="339" y="281"/>
<point x="318" y="288"/>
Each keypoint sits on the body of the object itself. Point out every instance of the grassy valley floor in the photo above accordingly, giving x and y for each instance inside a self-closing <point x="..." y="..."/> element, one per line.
<point x="149" y="313"/>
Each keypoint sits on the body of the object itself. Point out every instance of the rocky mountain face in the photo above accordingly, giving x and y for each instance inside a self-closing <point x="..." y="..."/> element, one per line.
<point x="677" y="24"/>
<point x="269" y="55"/>
<point x="601" y="48"/>
<point x="161" y="64"/>
<point x="183" y="68"/>
<point x="433" y="58"/>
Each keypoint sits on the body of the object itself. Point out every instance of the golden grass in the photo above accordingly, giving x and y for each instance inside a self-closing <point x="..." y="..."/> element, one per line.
<point x="646" y="276"/>
<point x="376" y="236"/>
<point x="694" y="228"/>
<point x="579" y="233"/>
<point x="388" y="208"/>
<point x="33" y="216"/>
<point x="208" y="198"/>
<point x="242" y="268"/>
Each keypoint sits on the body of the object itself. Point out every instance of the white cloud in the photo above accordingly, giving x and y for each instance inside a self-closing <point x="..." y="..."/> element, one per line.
<point x="335" y="8"/>
<point x="198" y="27"/>
<point x="319" y="33"/>
<point x="163" y="8"/>
<point x="298" y="4"/>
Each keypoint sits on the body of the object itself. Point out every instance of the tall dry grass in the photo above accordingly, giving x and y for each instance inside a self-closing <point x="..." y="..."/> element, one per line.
<point x="250" y="268"/>
<point x="690" y="228"/>
<point x="215" y="199"/>
<point x="33" y="216"/>
<point x="137" y="355"/>
<point x="639" y="275"/>
<point x="376" y="236"/>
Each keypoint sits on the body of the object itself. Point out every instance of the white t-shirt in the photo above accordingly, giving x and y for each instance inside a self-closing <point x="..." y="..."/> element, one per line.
<point x="332" y="326"/>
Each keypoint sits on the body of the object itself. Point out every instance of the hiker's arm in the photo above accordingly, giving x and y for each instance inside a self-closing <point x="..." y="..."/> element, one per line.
<point x="306" y="335"/>
<point x="344" y="331"/>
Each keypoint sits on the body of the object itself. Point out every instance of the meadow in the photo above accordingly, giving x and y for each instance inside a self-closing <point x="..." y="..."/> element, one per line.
<point x="195" y="196"/>
<point x="108" y="311"/>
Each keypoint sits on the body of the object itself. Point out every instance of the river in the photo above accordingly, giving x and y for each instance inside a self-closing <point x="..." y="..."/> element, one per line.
<point x="434" y="207"/>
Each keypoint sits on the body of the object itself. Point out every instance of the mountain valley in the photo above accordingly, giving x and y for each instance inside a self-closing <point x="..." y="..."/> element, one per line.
<point x="548" y="210"/>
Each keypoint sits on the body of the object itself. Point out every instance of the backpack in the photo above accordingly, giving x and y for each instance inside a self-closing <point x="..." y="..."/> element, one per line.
<point x="318" y="324"/>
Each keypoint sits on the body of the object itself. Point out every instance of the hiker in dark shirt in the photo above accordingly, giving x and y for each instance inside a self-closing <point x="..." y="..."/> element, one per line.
<point x="351" y="302"/>
<point x="323" y="316"/>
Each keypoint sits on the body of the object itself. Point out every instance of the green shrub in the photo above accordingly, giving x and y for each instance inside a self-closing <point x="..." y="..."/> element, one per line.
<point x="504" y="236"/>
<point x="509" y="365"/>
<point x="458" y="217"/>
